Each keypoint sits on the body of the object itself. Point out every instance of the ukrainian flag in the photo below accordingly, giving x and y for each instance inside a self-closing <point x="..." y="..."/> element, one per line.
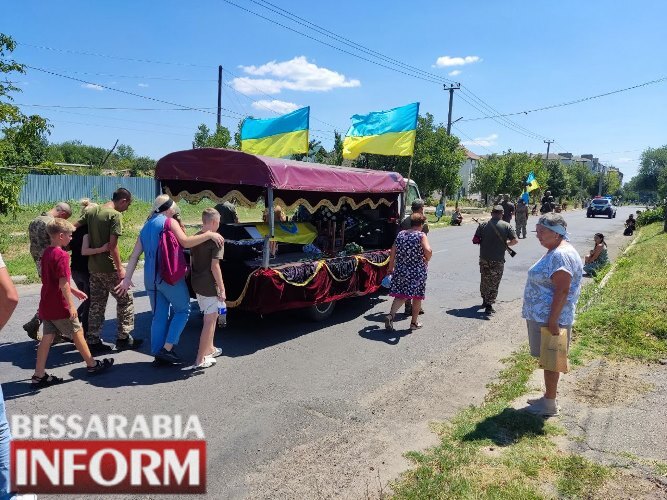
<point x="282" y="136"/>
<point x="531" y="183"/>
<point x="383" y="133"/>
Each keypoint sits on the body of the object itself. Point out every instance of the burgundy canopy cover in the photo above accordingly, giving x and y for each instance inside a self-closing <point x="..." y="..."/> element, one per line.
<point x="230" y="167"/>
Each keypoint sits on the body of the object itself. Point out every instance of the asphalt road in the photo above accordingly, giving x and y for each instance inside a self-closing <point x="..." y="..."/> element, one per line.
<point x="307" y="410"/>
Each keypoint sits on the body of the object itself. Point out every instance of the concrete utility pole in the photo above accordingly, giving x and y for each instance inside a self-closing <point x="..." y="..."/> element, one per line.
<point x="602" y="172"/>
<point x="219" y="96"/>
<point x="548" y="143"/>
<point x="451" y="89"/>
<point x="581" y="189"/>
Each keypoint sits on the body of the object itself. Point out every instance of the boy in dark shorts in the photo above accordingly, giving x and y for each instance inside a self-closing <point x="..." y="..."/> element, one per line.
<point x="56" y="306"/>
<point x="207" y="283"/>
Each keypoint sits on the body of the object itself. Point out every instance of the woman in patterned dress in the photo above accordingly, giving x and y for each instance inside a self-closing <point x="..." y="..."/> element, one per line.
<point x="408" y="263"/>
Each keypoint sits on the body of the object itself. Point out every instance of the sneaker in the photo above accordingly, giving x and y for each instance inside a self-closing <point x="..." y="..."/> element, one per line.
<point x="207" y="363"/>
<point x="489" y="309"/>
<point x="544" y="408"/>
<point x="100" y="366"/>
<point x="217" y="352"/>
<point x="169" y="357"/>
<point x="32" y="327"/>
<point x="130" y="343"/>
<point x="99" y="348"/>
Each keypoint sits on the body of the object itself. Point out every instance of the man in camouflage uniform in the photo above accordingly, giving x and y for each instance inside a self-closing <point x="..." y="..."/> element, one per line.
<point x="492" y="255"/>
<point x="105" y="225"/>
<point x="521" y="218"/>
<point x="40" y="241"/>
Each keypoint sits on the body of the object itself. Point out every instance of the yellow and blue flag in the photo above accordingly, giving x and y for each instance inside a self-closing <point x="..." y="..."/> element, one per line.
<point x="389" y="132"/>
<point x="531" y="183"/>
<point x="277" y="137"/>
<point x="302" y="233"/>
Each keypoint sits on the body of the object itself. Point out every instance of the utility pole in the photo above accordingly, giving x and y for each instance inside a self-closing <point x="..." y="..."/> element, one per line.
<point x="602" y="172"/>
<point x="581" y="189"/>
<point x="451" y="89"/>
<point x="548" y="143"/>
<point x="219" y="97"/>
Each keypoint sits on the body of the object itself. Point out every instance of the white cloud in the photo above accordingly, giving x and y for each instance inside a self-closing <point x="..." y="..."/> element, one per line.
<point x="295" y="74"/>
<point x="625" y="160"/>
<point x="281" y="107"/>
<point x="143" y="85"/>
<point x="485" y="142"/>
<point x="446" y="61"/>
<point x="456" y="72"/>
<point x="91" y="86"/>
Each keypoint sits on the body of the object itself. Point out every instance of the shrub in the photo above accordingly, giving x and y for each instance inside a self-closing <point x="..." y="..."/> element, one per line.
<point x="650" y="216"/>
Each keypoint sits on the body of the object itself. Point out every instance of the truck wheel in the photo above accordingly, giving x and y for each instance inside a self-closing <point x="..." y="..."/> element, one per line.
<point x="320" y="312"/>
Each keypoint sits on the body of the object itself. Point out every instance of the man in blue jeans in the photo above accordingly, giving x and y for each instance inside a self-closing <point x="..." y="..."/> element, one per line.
<point x="8" y="300"/>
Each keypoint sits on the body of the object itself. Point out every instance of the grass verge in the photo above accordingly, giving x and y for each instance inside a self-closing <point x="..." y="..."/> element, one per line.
<point x="495" y="451"/>
<point x="14" y="235"/>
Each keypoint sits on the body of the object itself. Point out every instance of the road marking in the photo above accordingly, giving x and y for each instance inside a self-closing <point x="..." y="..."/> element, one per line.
<point x="440" y="251"/>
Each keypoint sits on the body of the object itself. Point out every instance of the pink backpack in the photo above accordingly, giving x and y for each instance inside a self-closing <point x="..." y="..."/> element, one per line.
<point x="170" y="259"/>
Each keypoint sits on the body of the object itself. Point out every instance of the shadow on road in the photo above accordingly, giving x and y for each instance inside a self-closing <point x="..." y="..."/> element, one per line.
<point x="474" y="312"/>
<point x="379" y="334"/>
<point x="507" y="427"/>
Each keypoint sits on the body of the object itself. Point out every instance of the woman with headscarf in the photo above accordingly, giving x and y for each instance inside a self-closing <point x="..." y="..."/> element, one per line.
<point x="550" y="298"/>
<point x="165" y="330"/>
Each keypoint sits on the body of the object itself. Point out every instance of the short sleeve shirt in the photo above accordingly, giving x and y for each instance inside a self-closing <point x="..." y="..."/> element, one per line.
<point x="201" y="257"/>
<point x="539" y="291"/>
<point x="39" y="238"/>
<point x="492" y="247"/>
<point x="55" y="265"/>
<point x="102" y="222"/>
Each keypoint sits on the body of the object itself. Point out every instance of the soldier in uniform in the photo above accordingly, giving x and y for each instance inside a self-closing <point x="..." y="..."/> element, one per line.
<point x="521" y="218"/>
<point x="508" y="208"/>
<point x="40" y="241"/>
<point x="495" y="235"/>
<point x="105" y="226"/>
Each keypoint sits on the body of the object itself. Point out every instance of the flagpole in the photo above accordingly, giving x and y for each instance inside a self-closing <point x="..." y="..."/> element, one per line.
<point x="407" y="188"/>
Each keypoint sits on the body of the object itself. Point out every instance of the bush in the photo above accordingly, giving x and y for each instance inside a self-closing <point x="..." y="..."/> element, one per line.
<point x="650" y="216"/>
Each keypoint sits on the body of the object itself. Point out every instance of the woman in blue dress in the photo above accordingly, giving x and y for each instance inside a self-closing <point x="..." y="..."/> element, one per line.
<point x="408" y="263"/>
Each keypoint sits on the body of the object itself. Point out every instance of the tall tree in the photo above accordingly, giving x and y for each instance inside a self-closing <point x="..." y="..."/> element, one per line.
<point x="652" y="174"/>
<point x="203" y="138"/>
<point x="557" y="181"/>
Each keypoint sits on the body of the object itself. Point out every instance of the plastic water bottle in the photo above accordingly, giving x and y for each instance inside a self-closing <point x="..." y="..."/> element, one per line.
<point x="222" y="313"/>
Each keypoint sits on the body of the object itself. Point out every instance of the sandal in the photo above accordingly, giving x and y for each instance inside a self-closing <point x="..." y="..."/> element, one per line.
<point x="100" y="366"/>
<point x="45" y="381"/>
<point x="415" y="326"/>
<point x="217" y="352"/>
<point x="389" y="322"/>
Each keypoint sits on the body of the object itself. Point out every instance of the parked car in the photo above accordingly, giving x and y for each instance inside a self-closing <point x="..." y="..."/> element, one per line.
<point x="601" y="206"/>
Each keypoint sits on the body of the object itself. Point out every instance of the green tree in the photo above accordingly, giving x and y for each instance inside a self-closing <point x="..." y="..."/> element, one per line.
<point x="336" y="155"/>
<point x="557" y="180"/>
<point x="221" y="138"/>
<point x="652" y="174"/>
<point x="488" y="176"/>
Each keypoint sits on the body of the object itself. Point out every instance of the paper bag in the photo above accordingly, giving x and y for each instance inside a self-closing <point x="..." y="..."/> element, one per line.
<point x="553" y="351"/>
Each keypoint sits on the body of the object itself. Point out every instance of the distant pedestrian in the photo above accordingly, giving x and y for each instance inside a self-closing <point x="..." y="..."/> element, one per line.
<point x="9" y="299"/>
<point x="56" y="306"/>
<point x="417" y="208"/>
<point x="630" y="226"/>
<point x="39" y="241"/>
<point x="206" y="278"/>
<point x="105" y="227"/>
<point x="457" y="217"/>
<point x="550" y="298"/>
<point x="227" y="212"/>
<point x="170" y="304"/>
<point x="408" y="265"/>
<point x="508" y="208"/>
<point x="495" y="236"/>
<point x="521" y="218"/>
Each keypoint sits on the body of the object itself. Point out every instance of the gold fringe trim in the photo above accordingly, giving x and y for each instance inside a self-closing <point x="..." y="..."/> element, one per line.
<point x="233" y="195"/>
<point x="239" y="198"/>
<point x="321" y="263"/>
<point x="356" y="265"/>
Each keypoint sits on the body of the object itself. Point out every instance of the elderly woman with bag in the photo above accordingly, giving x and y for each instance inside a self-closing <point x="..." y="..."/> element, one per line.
<point x="550" y="298"/>
<point x="164" y="296"/>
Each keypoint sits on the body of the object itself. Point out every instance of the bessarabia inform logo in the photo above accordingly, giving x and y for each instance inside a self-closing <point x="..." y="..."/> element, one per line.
<point x="61" y="454"/>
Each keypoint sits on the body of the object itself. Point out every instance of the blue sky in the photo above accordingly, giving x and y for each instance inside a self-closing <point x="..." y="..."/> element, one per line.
<point x="514" y="55"/>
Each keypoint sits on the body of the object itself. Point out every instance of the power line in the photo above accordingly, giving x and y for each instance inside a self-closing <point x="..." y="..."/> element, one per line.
<point x="473" y="140"/>
<point x="113" y="107"/>
<point x="570" y="103"/>
<point x="135" y="77"/>
<point x="121" y="128"/>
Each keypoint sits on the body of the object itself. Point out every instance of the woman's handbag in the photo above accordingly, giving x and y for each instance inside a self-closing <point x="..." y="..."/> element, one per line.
<point x="553" y="351"/>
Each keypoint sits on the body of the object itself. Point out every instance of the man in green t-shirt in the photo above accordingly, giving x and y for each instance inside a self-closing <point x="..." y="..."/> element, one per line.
<point x="105" y="225"/>
<point x="495" y="236"/>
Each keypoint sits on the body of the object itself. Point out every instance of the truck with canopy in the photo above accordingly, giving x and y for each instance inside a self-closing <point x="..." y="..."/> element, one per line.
<point x="335" y="246"/>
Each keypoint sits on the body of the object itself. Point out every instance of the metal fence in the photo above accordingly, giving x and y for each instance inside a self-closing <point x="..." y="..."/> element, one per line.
<point x="53" y="188"/>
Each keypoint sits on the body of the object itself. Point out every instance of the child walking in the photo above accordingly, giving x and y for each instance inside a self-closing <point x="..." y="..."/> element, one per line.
<point x="56" y="306"/>
<point x="209" y="287"/>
